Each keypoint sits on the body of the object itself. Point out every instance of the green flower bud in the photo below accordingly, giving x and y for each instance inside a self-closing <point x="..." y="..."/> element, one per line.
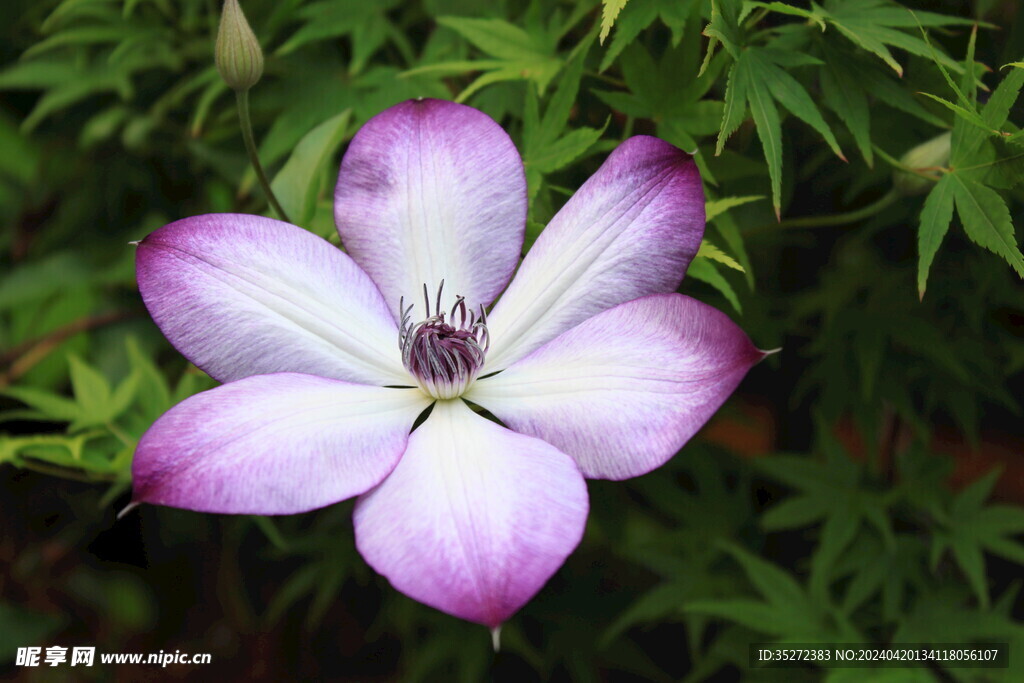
<point x="238" y="54"/>
<point x="927" y="157"/>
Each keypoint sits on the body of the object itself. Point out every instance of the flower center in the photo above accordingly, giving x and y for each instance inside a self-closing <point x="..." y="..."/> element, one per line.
<point x="443" y="355"/>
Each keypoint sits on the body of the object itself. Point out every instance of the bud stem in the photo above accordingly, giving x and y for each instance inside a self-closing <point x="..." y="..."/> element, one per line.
<point x="254" y="158"/>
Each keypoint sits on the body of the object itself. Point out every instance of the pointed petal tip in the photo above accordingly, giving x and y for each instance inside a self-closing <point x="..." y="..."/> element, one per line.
<point x="496" y="638"/>
<point x="477" y="552"/>
<point x="128" y="508"/>
<point x="634" y="405"/>
<point x="769" y="352"/>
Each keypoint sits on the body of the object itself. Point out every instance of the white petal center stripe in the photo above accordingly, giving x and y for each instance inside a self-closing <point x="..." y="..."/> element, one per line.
<point x="243" y="295"/>
<point x="302" y="441"/>
<point x="431" y="191"/>
<point x="630" y="231"/>
<point x="475" y="518"/>
<point x="623" y="391"/>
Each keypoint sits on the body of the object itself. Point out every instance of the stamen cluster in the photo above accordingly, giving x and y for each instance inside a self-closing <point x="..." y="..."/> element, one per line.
<point x="443" y="356"/>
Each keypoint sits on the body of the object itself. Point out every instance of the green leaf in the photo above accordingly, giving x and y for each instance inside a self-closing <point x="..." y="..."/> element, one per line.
<point x="704" y="270"/>
<point x="791" y="95"/>
<point x="154" y="395"/>
<point x="91" y="388"/>
<point x="993" y="116"/>
<point x="873" y="25"/>
<point x="986" y="220"/>
<point x="755" y="615"/>
<point x="966" y="114"/>
<point x="565" y="150"/>
<point x="724" y="28"/>
<point x="844" y="95"/>
<point x="495" y="37"/>
<point x="298" y="182"/>
<point x="365" y="23"/>
<point x="973" y="527"/>
<point x="777" y="586"/>
<point x="836" y="534"/>
<point x="710" y="251"/>
<point x="935" y="218"/>
<point x="969" y="556"/>
<point x="717" y="207"/>
<point x="97" y="402"/>
<point x="795" y="512"/>
<point x="997" y="109"/>
<point x="518" y="55"/>
<point x="50" y="406"/>
<point x="546" y="149"/>
<point x="91" y="35"/>
<point x="783" y="8"/>
<point x="769" y="126"/>
<point x="609" y="13"/>
<point x="735" y="109"/>
<point x="639" y="15"/>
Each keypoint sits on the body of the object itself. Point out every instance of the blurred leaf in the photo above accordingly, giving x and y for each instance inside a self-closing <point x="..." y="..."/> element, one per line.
<point x="972" y="527"/>
<point x="786" y="611"/>
<point x="717" y="207"/>
<point x="813" y="15"/>
<point x="297" y="184"/>
<point x="517" y="54"/>
<point x="546" y="148"/>
<point x="705" y="270"/>
<point x="24" y="628"/>
<point x="638" y="15"/>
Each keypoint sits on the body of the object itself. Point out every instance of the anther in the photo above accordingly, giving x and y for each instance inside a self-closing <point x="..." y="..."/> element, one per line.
<point x="444" y="356"/>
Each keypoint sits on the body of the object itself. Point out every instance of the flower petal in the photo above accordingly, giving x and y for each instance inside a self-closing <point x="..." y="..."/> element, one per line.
<point x="630" y="230"/>
<point x="274" y="444"/>
<point x="433" y="190"/>
<point x="475" y="518"/>
<point x="246" y="295"/>
<point x="623" y="391"/>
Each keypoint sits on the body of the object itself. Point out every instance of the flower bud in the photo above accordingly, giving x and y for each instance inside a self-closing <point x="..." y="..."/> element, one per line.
<point x="927" y="157"/>
<point x="238" y="54"/>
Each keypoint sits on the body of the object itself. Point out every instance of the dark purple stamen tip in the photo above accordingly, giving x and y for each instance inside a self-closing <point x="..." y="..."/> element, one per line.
<point x="444" y="357"/>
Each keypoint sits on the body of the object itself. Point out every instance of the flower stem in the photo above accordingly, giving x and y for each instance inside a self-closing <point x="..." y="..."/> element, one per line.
<point x="254" y="159"/>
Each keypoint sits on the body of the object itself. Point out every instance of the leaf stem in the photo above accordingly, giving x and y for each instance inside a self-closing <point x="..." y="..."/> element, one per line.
<point x="26" y="355"/>
<point x="242" y="97"/>
<point x="831" y="219"/>
<point x="87" y="476"/>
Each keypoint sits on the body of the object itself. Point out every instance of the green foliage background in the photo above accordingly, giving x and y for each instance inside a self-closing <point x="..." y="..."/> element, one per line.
<point x="892" y="286"/>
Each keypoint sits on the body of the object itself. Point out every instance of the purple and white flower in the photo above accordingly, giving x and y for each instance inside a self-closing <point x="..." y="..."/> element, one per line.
<point x="595" y="367"/>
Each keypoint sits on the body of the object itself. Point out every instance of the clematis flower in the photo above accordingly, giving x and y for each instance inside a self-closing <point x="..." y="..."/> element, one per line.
<point x="593" y="365"/>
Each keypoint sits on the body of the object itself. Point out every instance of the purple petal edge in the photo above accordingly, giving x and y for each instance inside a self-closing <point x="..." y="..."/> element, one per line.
<point x="622" y="392"/>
